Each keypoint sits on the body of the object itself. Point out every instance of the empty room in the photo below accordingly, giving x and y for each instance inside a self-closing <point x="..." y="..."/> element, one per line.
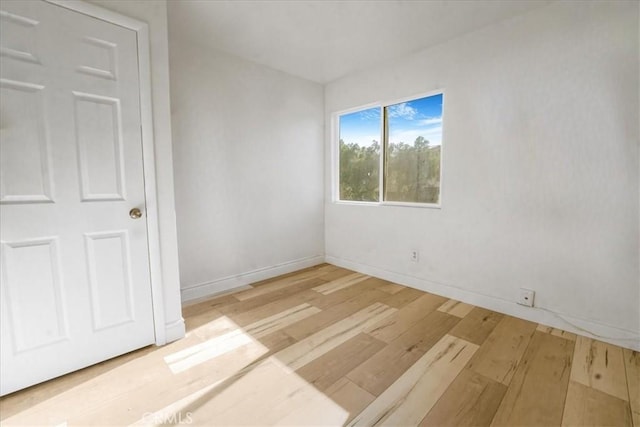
<point x="320" y="213"/>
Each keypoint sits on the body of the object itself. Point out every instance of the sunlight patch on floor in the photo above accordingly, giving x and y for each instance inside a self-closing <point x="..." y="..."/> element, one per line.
<point x="220" y="372"/>
<point x="265" y="394"/>
<point x="211" y="348"/>
<point x="216" y="327"/>
<point x="280" y="320"/>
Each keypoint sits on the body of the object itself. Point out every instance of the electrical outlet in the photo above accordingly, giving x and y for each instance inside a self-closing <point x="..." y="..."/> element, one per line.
<point x="526" y="297"/>
<point x="414" y="256"/>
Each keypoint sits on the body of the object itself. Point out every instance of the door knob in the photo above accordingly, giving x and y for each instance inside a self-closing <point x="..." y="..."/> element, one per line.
<point x="135" y="213"/>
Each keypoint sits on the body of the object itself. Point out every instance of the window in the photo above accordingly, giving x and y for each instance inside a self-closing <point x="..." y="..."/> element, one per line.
<point x="360" y="156"/>
<point x="409" y="155"/>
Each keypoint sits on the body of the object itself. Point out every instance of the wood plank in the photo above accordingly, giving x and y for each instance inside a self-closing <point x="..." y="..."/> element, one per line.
<point x="194" y="322"/>
<point x="403" y="297"/>
<point x="204" y="306"/>
<point x="341" y="283"/>
<point x="231" y="342"/>
<point x="186" y="305"/>
<point x="330" y="367"/>
<point x="537" y="390"/>
<point x="499" y="355"/>
<point x="322" y="268"/>
<point x="312" y="408"/>
<point x="392" y="288"/>
<point x="632" y="365"/>
<point x="314" y="346"/>
<point x="556" y="332"/>
<point x="269" y="309"/>
<point x="349" y="396"/>
<point x="275" y="341"/>
<point x="586" y="406"/>
<point x="471" y="400"/>
<point x="325" y="301"/>
<point x="335" y="274"/>
<point x="386" y="366"/>
<point x="378" y="281"/>
<point x="278" y="321"/>
<point x="329" y="408"/>
<point x="327" y="268"/>
<point x="477" y="325"/>
<point x="277" y="285"/>
<point x="456" y="308"/>
<point x="274" y="295"/>
<point x="412" y="395"/>
<point x="601" y="366"/>
<point x="213" y="327"/>
<point x="283" y="277"/>
<point x="333" y="314"/>
<point x="398" y="323"/>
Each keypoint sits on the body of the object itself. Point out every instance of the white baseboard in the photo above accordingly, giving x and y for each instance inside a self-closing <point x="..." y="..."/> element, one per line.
<point x="584" y="327"/>
<point x="224" y="284"/>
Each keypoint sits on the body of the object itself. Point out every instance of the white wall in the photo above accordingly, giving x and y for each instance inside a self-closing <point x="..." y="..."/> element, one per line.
<point x="154" y="13"/>
<point x="248" y="156"/>
<point x="540" y="163"/>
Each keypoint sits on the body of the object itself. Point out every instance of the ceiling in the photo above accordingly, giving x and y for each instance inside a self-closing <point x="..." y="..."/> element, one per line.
<point x="324" y="40"/>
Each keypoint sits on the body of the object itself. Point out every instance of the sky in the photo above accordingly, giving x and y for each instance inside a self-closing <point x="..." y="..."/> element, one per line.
<point x="407" y="121"/>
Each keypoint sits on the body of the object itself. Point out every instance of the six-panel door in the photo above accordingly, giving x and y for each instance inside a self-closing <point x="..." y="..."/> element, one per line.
<point x="75" y="266"/>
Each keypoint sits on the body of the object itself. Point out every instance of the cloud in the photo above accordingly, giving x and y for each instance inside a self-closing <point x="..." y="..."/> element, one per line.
<point x="408" y="136"/>
<point x="370" y="114"/>
<point x="431" y="121"/>
<point x="403" y="110"/>
<point x="361" y="140"/>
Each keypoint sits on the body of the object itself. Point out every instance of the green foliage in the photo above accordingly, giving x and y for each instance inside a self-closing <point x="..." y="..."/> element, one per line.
<point x="412" y="172"/>
<point x="359" y="172"/>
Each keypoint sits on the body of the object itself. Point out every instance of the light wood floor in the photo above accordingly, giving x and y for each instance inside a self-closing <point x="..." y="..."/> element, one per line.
<point x="327" y="346"/>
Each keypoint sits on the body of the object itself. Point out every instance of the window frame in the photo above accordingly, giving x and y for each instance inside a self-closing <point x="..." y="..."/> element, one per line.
<point x="384" y="139"/>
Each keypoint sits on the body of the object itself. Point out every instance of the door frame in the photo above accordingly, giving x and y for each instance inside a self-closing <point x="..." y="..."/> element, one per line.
<point x="148" y="149"/>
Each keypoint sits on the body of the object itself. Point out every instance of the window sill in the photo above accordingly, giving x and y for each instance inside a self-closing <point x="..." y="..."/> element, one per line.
<point x="392" y="204"/>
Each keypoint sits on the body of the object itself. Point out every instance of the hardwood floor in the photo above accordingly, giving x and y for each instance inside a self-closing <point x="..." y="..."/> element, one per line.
<point x="327" y="346"/>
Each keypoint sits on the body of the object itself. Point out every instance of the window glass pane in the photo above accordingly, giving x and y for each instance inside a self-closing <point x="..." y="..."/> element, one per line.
<point x="412" y="168"/>
<point x="360" y="155"/>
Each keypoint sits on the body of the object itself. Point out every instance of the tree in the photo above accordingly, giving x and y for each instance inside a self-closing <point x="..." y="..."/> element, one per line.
<point x="412" y="171"/>
<point x="359" y="171"/>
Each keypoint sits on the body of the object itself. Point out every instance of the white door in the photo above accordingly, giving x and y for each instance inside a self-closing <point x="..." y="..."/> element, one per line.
<point x="75" y="284"/>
